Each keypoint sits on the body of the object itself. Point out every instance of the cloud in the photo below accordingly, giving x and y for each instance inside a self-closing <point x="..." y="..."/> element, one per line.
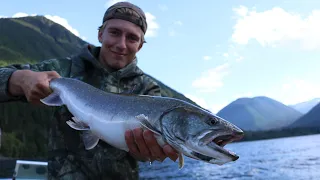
<point x="239" y="58"/>
<point x="57" y="19"/>
<point x="294" y="91"/>
<point x="21" y="14"/>
<point x="241" y="11"/>
<point x="112" y="2"/>
<point x="215" y="108"/>
<point x="172" y="29"/>
<point x="298" y="90"/>
<point x="207" y="58"/>
<point x="172" y="32"/>
<point x="243" y="95"/>
<point x="152" y="25"/>
<point x="200" y="101"/>
<point x="63" y="22"/>
<point x="232" y="53"/>
<point x="211" y="80"/>
<point x="225" y="55"/>
<point x="179" y="23"/>
<point x="163" y="7"/>
<point x="277" y="26"/>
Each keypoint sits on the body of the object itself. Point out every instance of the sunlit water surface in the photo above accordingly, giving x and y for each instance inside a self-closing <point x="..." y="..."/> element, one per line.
<point x="291" y="158"/>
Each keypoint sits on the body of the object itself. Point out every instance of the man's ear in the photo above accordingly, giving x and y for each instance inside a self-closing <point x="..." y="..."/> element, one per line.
<point x="100" y="33"/>
<point x="140" y="46"/>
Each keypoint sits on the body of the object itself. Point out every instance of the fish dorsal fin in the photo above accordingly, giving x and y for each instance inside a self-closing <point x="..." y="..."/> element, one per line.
<point x="52" y="100"/>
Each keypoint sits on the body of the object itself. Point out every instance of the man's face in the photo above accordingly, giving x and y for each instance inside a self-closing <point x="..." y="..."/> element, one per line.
<point x="121" y="40"/>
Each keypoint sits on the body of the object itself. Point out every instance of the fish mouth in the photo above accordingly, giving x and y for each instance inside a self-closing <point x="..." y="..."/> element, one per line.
<point x="216" y="142"/>
<point x="220" y="141"/>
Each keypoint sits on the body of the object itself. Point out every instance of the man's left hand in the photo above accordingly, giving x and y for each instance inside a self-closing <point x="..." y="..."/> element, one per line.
<point x="144" y="146"/>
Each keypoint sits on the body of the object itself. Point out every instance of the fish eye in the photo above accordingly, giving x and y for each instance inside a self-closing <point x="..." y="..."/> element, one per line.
<point x="212" y="121"/>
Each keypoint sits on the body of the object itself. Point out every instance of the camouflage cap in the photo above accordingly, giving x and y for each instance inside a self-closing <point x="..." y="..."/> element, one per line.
<point x="112" y="13"/>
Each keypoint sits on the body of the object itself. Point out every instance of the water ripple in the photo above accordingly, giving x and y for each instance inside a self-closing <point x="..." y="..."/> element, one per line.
<point x="277" y="159"/>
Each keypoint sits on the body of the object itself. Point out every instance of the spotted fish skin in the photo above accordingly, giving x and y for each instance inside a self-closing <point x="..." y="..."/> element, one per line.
<point x="105" y="116"/>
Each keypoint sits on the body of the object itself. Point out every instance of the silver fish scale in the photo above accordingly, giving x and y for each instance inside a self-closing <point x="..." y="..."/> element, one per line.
<point x="180" y="127"/>
<point x="111" y="105"/>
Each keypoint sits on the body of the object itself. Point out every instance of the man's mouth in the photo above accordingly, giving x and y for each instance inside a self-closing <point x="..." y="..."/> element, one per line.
<point x="118" y="54"/>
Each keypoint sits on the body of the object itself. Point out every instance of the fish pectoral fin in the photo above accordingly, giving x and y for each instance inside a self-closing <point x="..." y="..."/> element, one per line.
<point x="52" y="100"/>
<point x="89" y="140"/>
<point x="144" y="121"/>
<point x="78" y="125"/>
<point x="181" y="161"/>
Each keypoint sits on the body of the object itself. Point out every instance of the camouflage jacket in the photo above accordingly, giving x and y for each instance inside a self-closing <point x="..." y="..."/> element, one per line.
<point x="67" y="158"/>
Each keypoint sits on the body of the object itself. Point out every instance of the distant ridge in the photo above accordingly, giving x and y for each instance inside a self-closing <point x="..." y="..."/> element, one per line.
<point x="259" y="113"/>
<point x="305" y="107"/>
<point x="311" y="119"/>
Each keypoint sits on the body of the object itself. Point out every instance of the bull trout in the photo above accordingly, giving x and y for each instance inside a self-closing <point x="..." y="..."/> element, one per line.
<point x="99" y="115"/>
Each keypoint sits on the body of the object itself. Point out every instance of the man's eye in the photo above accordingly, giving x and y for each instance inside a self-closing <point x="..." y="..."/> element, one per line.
<point x="114" y="32"/>
<point x="133" y="38"/>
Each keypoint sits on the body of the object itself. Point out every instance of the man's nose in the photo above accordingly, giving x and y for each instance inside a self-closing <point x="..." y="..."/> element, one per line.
<point x="121" y="44"/>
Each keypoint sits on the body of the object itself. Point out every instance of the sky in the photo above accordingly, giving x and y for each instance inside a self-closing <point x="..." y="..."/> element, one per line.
<point x="213" y="52"/>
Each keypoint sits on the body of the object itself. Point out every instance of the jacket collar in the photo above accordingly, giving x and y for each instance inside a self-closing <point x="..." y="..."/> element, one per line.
<point x="90" y="54"/>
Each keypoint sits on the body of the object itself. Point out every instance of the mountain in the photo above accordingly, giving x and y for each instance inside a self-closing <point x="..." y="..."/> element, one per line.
<point x="311" y="119"/>
<point x="305" y="107"/>
<point x="259" y="113"/>
<point x="36" y="38"/>
<point x="29" y="40"/>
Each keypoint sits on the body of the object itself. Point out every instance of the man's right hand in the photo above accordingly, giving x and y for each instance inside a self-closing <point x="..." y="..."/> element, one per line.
<point x="33" y="85"/>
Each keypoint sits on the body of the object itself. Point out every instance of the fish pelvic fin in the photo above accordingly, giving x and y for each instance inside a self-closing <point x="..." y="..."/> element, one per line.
<point x="78" y="125"/>
<point x="89" y="140"/>
<point x="52" y="100"/>
<point x="181" y="161"/>
<point x="144" y="121"/>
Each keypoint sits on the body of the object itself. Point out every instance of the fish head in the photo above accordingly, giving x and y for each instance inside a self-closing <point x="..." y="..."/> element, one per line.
<point x="200" y="135"/>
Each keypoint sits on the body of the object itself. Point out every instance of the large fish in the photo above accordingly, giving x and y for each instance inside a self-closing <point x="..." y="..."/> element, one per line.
<point x="192" y="131"/>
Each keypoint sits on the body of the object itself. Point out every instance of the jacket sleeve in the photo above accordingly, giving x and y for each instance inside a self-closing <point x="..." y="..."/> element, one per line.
<point x="151" y="87"/>
<point x="61" y="66"/>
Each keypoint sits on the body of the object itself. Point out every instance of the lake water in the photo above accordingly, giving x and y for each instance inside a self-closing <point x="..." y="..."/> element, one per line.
<point x="294" y="158"/>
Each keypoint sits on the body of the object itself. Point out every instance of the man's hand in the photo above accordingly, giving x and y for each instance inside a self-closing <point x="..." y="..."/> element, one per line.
<point x="34" y="85"/>
<point x="144" y="147"/>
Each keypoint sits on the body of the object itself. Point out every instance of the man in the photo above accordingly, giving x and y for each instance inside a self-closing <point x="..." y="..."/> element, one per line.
<point x="111" y="67"/>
